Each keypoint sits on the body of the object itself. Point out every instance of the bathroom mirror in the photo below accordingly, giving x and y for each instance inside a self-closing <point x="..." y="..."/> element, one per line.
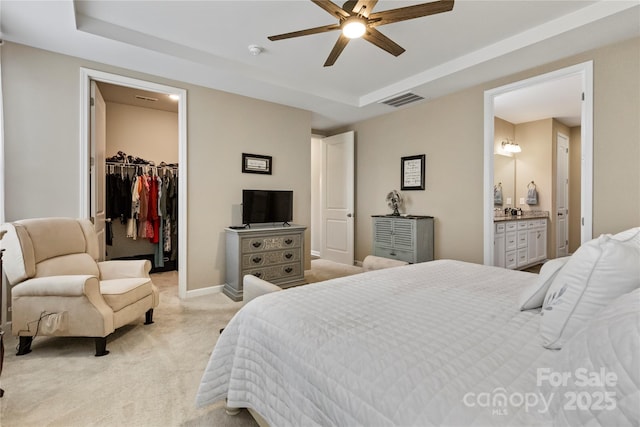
<point x="504" y="173"/>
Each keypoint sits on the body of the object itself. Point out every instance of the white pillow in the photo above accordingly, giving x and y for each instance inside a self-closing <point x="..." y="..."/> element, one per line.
<point x="597" y="273"/>
<point x="533" y="295"/>
<point x="632" y="234"/>
<point x="595" y="378"/>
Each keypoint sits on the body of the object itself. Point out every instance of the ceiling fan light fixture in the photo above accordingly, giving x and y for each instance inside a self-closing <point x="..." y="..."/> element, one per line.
<point x="354" y="27"/>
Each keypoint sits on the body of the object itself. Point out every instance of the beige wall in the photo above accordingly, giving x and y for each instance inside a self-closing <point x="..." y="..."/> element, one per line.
<point x="449" y="130"/>
<point x="316" y="204"/>
<point x="534" y="163"/>
<point x="42" y="134"/>
<point x="504" y="163"/>
<point x="142" y="132"/>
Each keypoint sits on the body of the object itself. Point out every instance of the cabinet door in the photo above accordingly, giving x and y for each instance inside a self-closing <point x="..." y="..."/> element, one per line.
<point x="522" y="239"/>
<point x="541" y="243"/>
<point x="523" y="258"/>
<point x="403" y="234"/>
<point x="511" y="259"/>
<point x="498" y="250"/>
<point x="532" y="245"/>
<point x="382" y="232"/>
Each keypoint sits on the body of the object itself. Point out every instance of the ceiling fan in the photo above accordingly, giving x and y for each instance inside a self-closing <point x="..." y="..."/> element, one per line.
<point x="357" y="19"/>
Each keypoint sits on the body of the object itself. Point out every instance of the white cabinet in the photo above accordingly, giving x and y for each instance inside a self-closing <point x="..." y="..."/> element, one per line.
<point x="498" y="245"/>
<point x="407" y="238"/>
<point x="275" y="254"/>
<point x="519" y="243"/>
<point x="537" y="240"/>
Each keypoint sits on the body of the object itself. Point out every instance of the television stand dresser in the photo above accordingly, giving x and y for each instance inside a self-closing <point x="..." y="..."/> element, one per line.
<point x="272" y="253"/>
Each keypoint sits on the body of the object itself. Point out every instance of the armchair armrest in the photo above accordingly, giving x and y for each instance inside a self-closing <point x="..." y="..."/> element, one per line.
<point x="60" y="286"/>
<point x="77" y="295"/>
<point x="254" y="287"/>
<point x="124" y="269"/>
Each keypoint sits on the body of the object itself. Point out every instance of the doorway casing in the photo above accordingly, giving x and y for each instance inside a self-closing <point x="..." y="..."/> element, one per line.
<point x="86" y="75"/>
<point x="585" y="70"/>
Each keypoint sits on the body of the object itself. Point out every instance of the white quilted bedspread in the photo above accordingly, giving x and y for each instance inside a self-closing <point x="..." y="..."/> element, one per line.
<point x="411" y="346"/>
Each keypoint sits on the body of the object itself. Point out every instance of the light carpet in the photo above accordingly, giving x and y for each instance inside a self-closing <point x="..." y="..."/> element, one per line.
<point x="150" y="377"/>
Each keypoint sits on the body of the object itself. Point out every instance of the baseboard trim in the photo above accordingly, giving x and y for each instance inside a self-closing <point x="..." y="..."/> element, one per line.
<point x="205" y="291"/>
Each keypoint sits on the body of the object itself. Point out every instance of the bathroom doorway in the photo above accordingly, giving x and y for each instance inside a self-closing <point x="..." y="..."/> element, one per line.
<point x="585" y="73"/>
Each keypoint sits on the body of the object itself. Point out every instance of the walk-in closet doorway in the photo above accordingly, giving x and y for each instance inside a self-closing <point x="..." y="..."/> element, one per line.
<point x="94" y="156"/>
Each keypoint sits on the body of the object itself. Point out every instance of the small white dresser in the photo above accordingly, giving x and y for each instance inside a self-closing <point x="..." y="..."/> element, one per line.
<point x="275" y="254"/>
<point x="405" y="238"/>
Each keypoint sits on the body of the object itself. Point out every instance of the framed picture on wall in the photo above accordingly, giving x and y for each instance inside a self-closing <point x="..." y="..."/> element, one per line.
<point x="412" y="172"/>
<point x="256" y="163"/>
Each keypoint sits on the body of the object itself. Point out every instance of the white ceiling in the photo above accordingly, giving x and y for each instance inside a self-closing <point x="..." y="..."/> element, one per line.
<point x="206" y="43"/>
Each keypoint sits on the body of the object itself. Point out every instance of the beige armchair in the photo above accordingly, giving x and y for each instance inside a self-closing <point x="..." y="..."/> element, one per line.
<point x="58" y="288"/>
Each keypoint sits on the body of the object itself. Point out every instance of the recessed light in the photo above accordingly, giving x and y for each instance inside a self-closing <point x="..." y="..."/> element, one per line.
<point x="174" y="97"/>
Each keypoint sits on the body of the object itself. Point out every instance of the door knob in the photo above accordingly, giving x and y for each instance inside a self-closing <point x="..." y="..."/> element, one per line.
<point x="349" y="215"/>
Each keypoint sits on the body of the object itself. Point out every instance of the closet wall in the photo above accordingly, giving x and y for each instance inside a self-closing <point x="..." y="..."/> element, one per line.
<point x="146" y="133"/>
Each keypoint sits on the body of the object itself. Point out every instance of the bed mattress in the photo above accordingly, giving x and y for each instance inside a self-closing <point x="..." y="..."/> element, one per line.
<point x="436" y="343"/>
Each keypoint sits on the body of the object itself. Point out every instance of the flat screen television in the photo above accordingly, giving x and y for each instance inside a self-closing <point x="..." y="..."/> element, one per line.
<point x="265" y="206"/>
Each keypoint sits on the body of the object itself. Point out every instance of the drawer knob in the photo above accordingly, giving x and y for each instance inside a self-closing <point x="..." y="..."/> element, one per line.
<point x="288" y="241"/>
<point x="288" y="255"/>
<point x="256" y="259"/>
<point x="257" y="274"/>
<point x="288" y="270"/>
<point x="257" y="244"/>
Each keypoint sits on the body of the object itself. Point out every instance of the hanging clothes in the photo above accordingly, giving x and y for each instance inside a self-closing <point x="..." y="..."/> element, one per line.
<point x="145" y="198"/>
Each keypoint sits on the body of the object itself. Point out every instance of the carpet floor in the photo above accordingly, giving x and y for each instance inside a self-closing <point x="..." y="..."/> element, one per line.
<point x="150" y="377"/>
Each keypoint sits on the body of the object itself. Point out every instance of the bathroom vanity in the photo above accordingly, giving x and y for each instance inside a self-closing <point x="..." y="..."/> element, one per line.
<point x="520" y="241"/>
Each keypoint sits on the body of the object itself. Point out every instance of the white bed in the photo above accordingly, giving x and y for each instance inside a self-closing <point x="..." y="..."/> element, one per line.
<point x="435" y="343"/>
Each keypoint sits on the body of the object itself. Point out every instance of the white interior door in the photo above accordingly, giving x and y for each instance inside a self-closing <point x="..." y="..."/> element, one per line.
<point x="97" y="164"/>
<point x="562" y="196"/>
<point x="337" y="189"/>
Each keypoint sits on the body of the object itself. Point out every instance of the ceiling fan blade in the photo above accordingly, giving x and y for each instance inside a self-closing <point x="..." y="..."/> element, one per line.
<point x="383" y="42"/>
<point x="332" y="8"/>
<point x="410" y="12"/>
<point x="306" y="32"/>
<point x="337" y="50"/>
<point x="364" y="7"/>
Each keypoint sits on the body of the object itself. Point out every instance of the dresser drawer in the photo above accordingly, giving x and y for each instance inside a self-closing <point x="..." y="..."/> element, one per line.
<point x="258" y="259"/>
<point x="276" y="273"/>
<point x="522" y="239"/>
<point x="523" y="258"/>
<point x="398" y="254"/>
<point x="259" y="244"/>
<point x="535" y="223"/>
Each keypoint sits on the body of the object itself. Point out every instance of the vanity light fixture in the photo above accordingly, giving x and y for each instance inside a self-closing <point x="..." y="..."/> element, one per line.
<point x="174" y="97"/>
<point x="511" y="147"/>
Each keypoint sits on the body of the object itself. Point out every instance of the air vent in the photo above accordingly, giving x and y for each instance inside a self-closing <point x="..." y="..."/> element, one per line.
<point x="146" y="98"/>
<point x="404" y="99"/>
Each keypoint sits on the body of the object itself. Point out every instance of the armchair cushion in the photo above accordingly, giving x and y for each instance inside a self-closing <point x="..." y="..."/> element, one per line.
<point x="119" y="293"/>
